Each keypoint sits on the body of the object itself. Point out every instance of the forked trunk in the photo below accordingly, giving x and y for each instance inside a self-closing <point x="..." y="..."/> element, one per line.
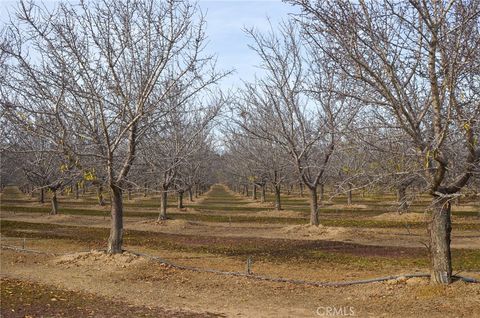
<point x="116" y="228"/>
<point x="262" y="194"/>
<point x="440" y="228"/>
<point x="163" y="205"/>
<point x="278" y="203"/>
<point x="254" y="192"/>
<point x="180" y="200"/>
<point x="54" y="201"/>
<point x="314" y="219"/>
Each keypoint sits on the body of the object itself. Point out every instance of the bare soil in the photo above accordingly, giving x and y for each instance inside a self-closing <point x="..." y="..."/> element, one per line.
<point x="368" y="236"/>
<point x="99" y="258"/>
<point x="22" y="298"/>
<point x="395" y="216"/>
<point x="76" y="281"/>
<point x="155" y="286"/>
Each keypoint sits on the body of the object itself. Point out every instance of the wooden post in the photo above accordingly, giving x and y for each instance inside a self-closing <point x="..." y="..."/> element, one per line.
<point x="249" y="265"/>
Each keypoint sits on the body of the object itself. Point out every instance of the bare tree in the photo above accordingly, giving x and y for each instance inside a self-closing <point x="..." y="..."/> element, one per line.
<point x="294" y="106"/>
<point x="97" y="70"/>
<point x="416" y="64"/>
<point x="256" y="160"/>
<point x="168" y="149"/>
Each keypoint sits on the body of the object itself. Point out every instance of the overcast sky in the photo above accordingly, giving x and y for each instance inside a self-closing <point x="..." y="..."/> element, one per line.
<point x="225" y="22"/>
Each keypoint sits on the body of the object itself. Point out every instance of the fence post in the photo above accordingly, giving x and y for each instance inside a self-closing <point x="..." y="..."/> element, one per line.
<point x="249" y="265"/>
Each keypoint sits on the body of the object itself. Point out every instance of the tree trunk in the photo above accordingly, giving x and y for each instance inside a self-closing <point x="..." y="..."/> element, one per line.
<point x="254" y="192"/>
<point x="262" y="194"/>
<point x="116" y="229"/>
<point x="84" y="188"/>
<point x="402" y="198"/>
<point x="440" y="228"/>
<point x="54" y="210"/>
<point x="322" y="192"/>
<point x="101" y="201"/>
<point x="190" y="194"/>
<point x="349" y="194"/>
<point x="145" y="187"/>
<point x="42" y="195"/>
<point x="77" y="191"/>
<point x="246" y="190"/>
<point x="163" y="205"/>
<point x="278" y="203"/>
<point x="129" y="193"/>
<point x="301" y="189"/>
<point x="314" y="219"/>
<point x="180" y="200"/>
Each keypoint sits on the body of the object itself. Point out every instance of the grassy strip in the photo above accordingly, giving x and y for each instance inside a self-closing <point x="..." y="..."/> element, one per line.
<point x="227" y="208"/>
<point x="223" y="218"/>
<point x="319" y="253"/>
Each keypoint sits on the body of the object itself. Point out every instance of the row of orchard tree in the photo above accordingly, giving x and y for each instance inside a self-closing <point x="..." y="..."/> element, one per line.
<point x="352" y="94"/>
<point x="383" y="93"/>
<point x="116" y="93"/>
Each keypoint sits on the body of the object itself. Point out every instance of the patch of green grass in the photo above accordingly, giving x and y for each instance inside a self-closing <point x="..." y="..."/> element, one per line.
<point x="390" y="224"/>
<point x="225" y="218"/>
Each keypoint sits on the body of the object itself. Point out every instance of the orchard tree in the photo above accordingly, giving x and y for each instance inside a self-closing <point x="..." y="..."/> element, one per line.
<point x="295" y="106"/>
<point x="44" y="169"/>
<point x="257" y="160"/>
<point x="97" y="70"/>
<point x="416" y="64"/>
<point x="170" y="147"/>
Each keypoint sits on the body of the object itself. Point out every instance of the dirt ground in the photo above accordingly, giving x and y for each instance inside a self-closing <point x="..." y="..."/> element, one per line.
<point x="72" y="280"/>
<point x="368" y="236"/>
<point x="146" y="284"/>
<point x="22" y="298"/>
